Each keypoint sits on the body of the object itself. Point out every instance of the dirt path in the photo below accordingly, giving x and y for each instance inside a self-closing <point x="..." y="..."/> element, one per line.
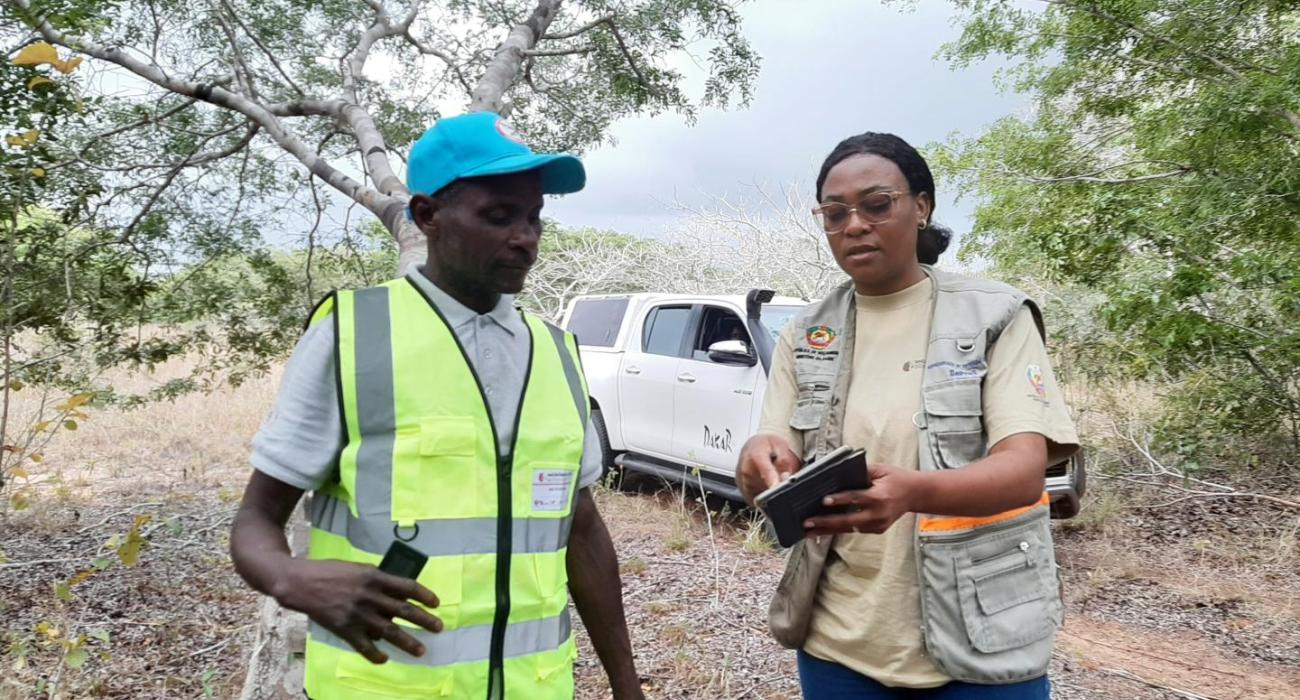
<point x="1180" y="664"/>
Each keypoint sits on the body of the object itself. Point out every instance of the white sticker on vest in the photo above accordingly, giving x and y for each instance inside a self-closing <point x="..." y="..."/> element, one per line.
<point x="551" y="490"/>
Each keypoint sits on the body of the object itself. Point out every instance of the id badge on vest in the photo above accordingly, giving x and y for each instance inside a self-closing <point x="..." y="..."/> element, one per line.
<point x="551" y="490"/>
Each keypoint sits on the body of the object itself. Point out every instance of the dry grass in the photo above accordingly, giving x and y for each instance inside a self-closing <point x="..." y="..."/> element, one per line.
<point x="696" y="581"/>
<point x="176" y="622"/>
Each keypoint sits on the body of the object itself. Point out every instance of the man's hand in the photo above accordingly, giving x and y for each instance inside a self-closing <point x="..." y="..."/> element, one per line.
<point x="358" y="603"/>
<point x="874" y="509"/>
<point x="765" y="460"/>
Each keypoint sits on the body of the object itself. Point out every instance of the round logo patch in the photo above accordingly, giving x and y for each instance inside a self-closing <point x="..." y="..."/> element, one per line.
<point x="504" y="128"/>
<point x="1035" y="375"/>
<point x="820" y="337"/>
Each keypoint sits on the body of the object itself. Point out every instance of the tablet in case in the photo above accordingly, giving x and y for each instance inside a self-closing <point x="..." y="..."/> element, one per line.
<point x="788" y="504"/>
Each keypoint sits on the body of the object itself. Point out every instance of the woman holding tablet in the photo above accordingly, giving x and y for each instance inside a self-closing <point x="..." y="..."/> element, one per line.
<point x="940" y="581"/>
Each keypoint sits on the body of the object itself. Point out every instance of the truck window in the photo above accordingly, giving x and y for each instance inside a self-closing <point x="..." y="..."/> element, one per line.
<point x="664" y="329"/>
<point x="717" y="324"/>
<point x="596" y="321"/>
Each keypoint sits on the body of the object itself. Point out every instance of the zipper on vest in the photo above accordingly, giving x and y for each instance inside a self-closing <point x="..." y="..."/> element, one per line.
<point x="505" y="471"/>
<point x="501" y="617"/>
<point x="505" y="535"/>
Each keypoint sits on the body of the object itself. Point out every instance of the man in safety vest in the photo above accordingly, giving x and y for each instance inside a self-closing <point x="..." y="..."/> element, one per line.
<point x="446" y="433"/>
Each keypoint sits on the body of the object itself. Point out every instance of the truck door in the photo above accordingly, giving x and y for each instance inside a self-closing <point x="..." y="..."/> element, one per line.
<point x="714" y="396"/>
<point x="648" y="379"/>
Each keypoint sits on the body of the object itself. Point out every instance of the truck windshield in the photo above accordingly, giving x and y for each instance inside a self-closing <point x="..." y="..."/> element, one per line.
<point x="774" y="318"/>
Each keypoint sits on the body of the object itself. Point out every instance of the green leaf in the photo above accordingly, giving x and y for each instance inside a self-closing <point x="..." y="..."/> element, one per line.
<point x="101" y="563"/>
<point x="63" y="591"/>
<point x="69" y="424"/>
<point x="100" y="634"/>
<point x="75" y="659"/>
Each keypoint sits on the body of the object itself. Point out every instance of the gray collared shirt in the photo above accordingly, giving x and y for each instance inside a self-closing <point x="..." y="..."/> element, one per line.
<point x="300" y="441"/>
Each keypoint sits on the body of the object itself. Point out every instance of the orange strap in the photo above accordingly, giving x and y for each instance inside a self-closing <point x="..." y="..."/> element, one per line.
<point x="945" y="523"/>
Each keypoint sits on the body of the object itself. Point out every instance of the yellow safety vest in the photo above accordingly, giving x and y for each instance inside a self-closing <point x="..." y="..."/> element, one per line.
<point x="420" y="463"/>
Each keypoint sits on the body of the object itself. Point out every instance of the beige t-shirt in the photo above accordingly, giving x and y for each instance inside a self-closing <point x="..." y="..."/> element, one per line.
<point x="867" y="613"/>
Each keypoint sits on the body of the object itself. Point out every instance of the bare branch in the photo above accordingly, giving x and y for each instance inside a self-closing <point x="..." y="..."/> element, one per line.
<point x="576" y="51"/>
<point x="444" y="57"/>
<point x="1092" y="176"/>
<point x="306" y="108"/>
<point x="373" y="148"/>
<point x="503" y="70"/>
<point x="580" y="30"/>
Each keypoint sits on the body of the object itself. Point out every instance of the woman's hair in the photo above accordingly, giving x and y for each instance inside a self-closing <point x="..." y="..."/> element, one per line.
<point x="933" y="239"/>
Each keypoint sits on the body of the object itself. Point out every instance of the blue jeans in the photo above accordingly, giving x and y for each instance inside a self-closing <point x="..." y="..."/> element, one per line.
<point x="827" y="680"/>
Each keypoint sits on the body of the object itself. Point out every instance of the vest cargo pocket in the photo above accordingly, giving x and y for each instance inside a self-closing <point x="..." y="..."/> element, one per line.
<point x="436" y="454"/>
<point x="393" y="679"/>
<point x="988" y="606"/>
<point x="1002" y="599"/>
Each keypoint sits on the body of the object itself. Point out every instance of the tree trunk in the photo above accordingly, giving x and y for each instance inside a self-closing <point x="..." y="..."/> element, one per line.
<point x="412" y="248"/>
<point x="275" y="668"/>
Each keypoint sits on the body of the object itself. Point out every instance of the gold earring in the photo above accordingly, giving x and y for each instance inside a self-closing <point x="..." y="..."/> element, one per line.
<point x="921" y="226"/>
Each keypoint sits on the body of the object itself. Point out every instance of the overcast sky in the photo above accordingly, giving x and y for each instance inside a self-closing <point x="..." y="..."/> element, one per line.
<point x="830" y="69"/>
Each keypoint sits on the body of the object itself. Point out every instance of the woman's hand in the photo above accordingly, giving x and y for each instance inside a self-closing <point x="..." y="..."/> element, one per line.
<point x="765" y="460"/>
<point x="890" y="497"/>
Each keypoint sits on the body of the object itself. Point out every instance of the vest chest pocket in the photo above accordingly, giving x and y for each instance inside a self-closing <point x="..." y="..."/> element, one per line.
<point x="435" y="473"/>
<point x="955" y="423"/>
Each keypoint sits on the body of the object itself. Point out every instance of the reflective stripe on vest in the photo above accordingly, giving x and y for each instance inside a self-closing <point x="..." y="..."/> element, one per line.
<point x="466" y="644"/>
<point x="421" y="463"/>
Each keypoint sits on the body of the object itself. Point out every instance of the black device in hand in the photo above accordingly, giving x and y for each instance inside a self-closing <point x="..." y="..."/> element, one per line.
<point x="403" y="560"/>
<point x="788" y="504"/>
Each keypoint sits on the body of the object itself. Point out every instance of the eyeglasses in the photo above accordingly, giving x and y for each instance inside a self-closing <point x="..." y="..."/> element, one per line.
<point x="873" y="208"/>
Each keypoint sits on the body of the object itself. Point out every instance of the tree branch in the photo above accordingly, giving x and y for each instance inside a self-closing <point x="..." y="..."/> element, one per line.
<point x="503" y="70"/>
<point x="580" y="50"/>
<point x="445" y="58"/>
<point x="221" y="97"/>
<point x="374" y="151"/>
<point x="1092" y="176"/>
<point x="269" y="55"/>
<point x="580" y="30"/>
<point x="308" y="107"/>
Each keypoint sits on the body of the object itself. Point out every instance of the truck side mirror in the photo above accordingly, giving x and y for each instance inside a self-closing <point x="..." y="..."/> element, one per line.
<point x="732" y="352"/>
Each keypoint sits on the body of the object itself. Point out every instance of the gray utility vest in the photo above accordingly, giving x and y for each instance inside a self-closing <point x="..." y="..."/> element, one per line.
<point x="990" y="604"/>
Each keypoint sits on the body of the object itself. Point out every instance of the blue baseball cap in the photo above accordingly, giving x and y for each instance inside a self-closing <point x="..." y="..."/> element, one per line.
<point x="482" y="143"/>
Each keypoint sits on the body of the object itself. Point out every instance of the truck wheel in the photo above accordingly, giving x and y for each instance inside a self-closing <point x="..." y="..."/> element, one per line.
<point x="606" y="452"/>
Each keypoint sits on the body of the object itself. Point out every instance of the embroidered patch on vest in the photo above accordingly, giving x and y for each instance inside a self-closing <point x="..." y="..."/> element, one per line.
<point x="820" y="337"/>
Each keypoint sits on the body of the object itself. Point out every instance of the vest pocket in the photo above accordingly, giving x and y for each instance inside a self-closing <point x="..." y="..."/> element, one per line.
<point x="1002" y="599"/>
<point x="955" y="421"/>
<point x="437" y="455"/>
<point x="988" y="603"/>
<point x="393" y="679"/>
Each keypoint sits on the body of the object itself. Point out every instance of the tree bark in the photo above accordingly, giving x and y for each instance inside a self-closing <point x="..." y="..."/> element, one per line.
<point x="501" y="73"/>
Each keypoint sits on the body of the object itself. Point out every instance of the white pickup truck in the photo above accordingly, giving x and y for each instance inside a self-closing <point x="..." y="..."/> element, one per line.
<point x="677" y="383"/>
